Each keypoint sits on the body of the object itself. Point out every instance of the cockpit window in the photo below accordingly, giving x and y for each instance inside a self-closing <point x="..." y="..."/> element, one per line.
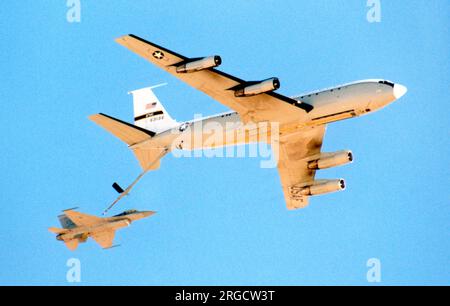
<point x="387" y="83"/>
<point x="126" y="213"/>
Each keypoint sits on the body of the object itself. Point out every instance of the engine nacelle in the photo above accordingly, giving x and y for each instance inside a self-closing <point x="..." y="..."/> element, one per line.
<point x="199" y="64"/>
<point x="322" y="187"/>
<point x="258" y="88"/>
<point x="331" y="160"/>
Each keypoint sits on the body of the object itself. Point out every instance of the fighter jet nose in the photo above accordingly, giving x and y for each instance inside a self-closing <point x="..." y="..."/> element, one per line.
<point x="399" y="91"/>
<point x="148" y="213"/>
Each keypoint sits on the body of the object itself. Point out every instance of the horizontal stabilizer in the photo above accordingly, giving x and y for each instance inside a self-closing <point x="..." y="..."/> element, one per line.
<point x="56" y="230"/>
<point x="127" y="132"/>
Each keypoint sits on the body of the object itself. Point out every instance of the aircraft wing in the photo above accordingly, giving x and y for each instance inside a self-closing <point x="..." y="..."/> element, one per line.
<point x="295" y="151"/>
<point x="82" y="219"/>
<point x="218" y="85"/>
<point x="104" y="239"/>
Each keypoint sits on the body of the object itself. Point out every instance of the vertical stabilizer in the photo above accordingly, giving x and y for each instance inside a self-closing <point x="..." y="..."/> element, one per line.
<point x="149" y="113"/>
<point x="66" y="223"/>
<point x="72" y="244"/>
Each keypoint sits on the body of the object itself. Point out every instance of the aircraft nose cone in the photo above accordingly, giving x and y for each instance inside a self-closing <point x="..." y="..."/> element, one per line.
<point x="399" y="91"/>
<point x="148" y="213"/>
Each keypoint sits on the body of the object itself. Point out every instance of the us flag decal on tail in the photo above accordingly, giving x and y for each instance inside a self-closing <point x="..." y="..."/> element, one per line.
<point x="151" y="105"/>
<point x="149" y="113"/>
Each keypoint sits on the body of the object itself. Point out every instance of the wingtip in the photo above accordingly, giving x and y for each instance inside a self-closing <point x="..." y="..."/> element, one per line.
<point x="120" y="40"/>
<point x="149" y="213"/>
<point x="112" y="247"/>
<point x="125" y="36"/>
<point x="70" y="209"/>
<point x="94" y="117"/>
<point x="91" y="117"/>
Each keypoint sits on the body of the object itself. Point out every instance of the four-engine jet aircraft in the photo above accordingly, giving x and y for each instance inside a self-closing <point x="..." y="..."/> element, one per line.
<point x="302" y="120"/>
<point x="78" y="227"/>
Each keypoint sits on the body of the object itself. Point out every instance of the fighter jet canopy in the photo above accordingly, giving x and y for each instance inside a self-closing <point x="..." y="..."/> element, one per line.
<point x="128" y="212"/>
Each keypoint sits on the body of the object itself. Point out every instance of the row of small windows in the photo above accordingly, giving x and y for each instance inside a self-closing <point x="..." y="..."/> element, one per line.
<point x="317" y="93"/>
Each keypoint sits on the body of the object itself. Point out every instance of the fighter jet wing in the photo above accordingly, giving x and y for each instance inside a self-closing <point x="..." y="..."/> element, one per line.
<point x="294" y="154"/>
<point x="268" y="106"/>
<point x="104" y="239"/>
<point x="82" y="219"/>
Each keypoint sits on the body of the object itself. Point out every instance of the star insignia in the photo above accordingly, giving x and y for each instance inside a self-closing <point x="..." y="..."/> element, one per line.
<point x="158" y="55"/>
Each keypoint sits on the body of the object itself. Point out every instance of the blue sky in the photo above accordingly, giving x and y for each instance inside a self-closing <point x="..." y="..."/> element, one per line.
<point x="223" y="221"/>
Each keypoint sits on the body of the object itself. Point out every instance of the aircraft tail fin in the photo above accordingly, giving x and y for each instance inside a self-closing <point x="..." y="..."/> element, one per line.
<point x="72" y="244"/>
<point x="149" y="113"/>
<point x="66" y="223"/>
<point x="150" y="118"/>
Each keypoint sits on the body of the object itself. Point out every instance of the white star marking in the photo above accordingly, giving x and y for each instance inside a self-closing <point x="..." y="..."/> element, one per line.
<point x="158" y="55"/>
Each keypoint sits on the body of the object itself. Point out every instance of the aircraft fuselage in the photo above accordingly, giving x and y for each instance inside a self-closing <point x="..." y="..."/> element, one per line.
<point x="330" y="105"/>
<point x="107" y="224"/>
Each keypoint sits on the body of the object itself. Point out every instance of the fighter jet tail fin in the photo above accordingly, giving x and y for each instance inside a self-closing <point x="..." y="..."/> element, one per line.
<point x="72" y="244"/>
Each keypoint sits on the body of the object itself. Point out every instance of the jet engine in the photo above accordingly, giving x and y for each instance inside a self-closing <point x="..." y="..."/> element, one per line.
<point x="323" y="186"/>
<point x="330" y="160"/>
<point x="199" y="64"/>
<point x="256" y="88"/>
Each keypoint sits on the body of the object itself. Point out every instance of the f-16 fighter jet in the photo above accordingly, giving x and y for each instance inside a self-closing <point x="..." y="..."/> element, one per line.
<point x="78" y="227"/>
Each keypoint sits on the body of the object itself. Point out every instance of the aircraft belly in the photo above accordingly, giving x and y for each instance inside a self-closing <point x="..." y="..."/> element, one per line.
<point x="217" y="132"/>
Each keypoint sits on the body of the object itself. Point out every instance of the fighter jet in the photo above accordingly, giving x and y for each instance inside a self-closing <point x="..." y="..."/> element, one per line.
<point x="78" y="227"/>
